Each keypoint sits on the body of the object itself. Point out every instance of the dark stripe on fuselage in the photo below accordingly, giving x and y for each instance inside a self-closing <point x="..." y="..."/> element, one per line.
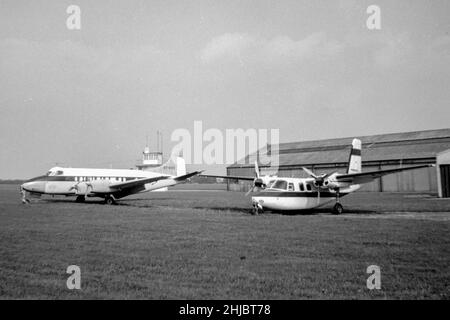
<point x="299" y="194"/>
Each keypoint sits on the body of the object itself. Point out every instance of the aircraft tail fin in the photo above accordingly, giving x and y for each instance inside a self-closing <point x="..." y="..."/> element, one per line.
<point x="175" y="166"/>
<point x="354" y="162"/>
<point x="180" y="166"/>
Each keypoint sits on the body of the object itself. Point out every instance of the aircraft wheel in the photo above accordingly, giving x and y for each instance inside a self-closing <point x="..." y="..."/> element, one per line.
<point x="338" y="208"/>
<point x="109" y="200"/>
<point x="257" y="209"/>
<point x="80" y="199"/>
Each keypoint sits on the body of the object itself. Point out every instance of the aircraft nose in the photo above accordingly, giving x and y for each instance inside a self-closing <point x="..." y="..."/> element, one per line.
<point x="34" y="186"/>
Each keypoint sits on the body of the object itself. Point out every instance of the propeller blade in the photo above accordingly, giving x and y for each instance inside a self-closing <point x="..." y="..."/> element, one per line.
<point x="309" y="172"/>
<point x="88" y="185"/>
<point x="328" y="174"/>
<point x="257" y="169"/>
<point x="249" y="191"/>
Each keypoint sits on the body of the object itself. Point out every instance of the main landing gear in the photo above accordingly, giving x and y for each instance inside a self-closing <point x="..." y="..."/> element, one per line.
<point x="257" y="208"/>
<point x="80" y="199"/>
<point x="109" y="200"/>
<point x="338" y="208"/>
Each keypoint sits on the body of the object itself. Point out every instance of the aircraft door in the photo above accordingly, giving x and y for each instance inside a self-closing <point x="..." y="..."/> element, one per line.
<point x="445" y="180"/>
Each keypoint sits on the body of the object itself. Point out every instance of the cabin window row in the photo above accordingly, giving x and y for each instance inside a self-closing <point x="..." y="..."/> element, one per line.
<point x="289" y="186"/>
<point x="118" y="179"/>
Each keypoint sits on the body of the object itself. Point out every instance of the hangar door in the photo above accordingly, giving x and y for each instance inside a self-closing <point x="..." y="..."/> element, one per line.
<point x="445" y="180"/>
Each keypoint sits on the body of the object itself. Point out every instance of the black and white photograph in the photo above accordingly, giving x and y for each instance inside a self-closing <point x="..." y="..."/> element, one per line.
<point x="241" y="152"/>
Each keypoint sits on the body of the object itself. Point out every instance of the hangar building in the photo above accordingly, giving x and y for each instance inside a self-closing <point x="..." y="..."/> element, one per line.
<point x="384" y="151"/>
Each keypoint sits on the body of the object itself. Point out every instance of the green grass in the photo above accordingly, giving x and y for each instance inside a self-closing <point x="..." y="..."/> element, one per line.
<point x="206" y="245"/>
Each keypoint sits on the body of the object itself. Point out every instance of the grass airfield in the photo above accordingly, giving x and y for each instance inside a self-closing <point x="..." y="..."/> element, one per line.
<point x="187" y="244"/>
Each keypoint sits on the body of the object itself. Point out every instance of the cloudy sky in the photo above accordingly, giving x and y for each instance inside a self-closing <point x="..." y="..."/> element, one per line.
<point x="310" y="68"/>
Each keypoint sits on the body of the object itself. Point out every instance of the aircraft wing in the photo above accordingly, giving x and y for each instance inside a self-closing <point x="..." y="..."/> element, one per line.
<point x="228" y="177"/>
<point x="141" y="182"/>
<point x="136" y="183"/>
<point x="363" y="177"/>
<point x="186" y="176"/>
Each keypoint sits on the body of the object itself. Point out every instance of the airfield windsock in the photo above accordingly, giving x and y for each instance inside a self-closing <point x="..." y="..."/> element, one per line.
<point x="354" y="162"/>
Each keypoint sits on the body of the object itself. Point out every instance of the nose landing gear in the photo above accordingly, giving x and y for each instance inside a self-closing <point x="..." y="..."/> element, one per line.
<point x="24" y="196"/>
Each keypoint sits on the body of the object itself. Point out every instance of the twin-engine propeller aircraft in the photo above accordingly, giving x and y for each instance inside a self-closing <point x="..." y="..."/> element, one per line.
<point x="282" y="194"/>
<point x="109" y="184"/>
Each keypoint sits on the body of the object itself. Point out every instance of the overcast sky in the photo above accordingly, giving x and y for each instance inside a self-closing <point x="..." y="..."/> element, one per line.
<point x="311" y="68"/>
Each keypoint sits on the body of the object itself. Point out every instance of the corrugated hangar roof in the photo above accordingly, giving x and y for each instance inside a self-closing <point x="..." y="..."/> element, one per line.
<point x="394" y="146"/>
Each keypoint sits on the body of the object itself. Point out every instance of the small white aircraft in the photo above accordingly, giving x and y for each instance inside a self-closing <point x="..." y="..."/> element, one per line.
<point x="283" y="194"/>
<point x="109" y="184"/>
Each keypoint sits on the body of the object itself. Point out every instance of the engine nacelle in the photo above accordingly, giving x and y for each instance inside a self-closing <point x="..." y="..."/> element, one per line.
<point x="320" y="183"/>
<point x="332" y="184"/>
<point x="86" y="187"/>
<point x="259" y="183"/>
<point x="99" y="186"/>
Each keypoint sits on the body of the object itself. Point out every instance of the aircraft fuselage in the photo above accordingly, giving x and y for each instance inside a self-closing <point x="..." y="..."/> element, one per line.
<point x="298" y="194"/>
<point x="92" y="182"/>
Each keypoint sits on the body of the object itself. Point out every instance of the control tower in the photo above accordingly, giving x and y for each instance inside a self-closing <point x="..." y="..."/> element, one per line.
<point x="152" y="159"/>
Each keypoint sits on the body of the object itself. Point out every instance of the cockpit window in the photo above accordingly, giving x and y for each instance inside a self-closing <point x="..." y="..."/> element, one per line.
<point x="280" y="184"/>
<point x="55" y="172"/>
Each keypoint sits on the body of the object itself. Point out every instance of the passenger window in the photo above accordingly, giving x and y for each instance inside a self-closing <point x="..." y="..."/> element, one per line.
<point x="301" y="186"/>
<point x="291" y="187"/>
<point x="308" y="187"/>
